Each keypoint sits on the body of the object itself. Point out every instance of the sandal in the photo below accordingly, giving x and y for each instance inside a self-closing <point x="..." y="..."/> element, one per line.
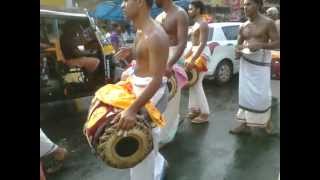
<point x="193" y="114"/>
<point x="200" y="119"/>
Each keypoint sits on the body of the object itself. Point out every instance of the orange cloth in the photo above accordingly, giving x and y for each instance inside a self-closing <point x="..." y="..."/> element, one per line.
<point x="207" y="18"/>
<point x="120" y="95"/>
<point x="200" y="63"/>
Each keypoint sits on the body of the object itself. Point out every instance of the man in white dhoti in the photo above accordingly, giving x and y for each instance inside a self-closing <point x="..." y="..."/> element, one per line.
<point x="197" y="58"/>
<point x="256" y="37"/>
<point x="151" y="53"/>
<point x="174" y="21"/>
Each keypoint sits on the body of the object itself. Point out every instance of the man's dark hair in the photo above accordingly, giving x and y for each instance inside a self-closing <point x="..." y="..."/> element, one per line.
<point x="260" y="4"/>
<point x="149" y="3"/>
<point x="198" y="5"/>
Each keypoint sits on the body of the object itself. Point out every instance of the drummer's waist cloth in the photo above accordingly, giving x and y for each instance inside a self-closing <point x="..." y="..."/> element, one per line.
<point x="254" y="82"/>
<point x="124" y="93"/>
<point x="201" y="63"/>
<point x="179" y="72"/>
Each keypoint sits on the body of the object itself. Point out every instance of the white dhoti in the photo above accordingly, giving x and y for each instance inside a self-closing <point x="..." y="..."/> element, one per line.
<point x="197" y="97"/>
<point x="46" y="145"/>
<point x="171" y="113"/>
<point x="152" y="166"/>
<point x="255" y="89"/>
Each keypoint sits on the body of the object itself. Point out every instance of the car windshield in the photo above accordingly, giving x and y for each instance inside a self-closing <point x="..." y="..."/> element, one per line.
<point x="231" y="32"/>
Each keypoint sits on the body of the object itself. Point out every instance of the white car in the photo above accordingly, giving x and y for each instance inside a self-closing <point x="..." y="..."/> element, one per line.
<point x="222" y="39"/>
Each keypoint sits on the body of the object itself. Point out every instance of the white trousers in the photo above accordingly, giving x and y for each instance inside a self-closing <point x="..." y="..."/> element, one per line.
<point x="172" y="116"/>
<point x="197" y="97"/>
<point x="152" y="166"/>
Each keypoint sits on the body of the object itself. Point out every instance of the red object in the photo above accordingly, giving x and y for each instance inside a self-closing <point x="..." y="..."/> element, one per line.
<point x="213" y="45"/>
<point x="275" y="65"/>
<point x="275" y="69"/>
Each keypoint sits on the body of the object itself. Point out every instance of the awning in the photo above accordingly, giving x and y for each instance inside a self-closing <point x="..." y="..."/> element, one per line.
<point x="111" y="10"/>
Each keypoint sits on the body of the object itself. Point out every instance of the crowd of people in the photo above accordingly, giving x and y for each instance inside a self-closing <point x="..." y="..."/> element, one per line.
<point x="158" y="46"/>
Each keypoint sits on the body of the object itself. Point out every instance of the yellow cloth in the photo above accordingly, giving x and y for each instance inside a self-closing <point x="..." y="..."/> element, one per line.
<point x="200" y="63"/>
<point x="275" y="55"/>
<point x="121" y="96"/>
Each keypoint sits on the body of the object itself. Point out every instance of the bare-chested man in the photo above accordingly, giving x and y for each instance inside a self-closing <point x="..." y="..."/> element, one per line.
<point x="151" y="54"/>
<point x="174" y="20"/>
<point x="257" y="36"/>
<point x="197" y="58"/>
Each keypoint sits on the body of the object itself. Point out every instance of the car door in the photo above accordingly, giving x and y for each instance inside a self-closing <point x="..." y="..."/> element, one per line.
<point x="231" y="33"/>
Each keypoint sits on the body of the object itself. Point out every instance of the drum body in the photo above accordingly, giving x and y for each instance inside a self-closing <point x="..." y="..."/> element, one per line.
<point x="193" y="76"/>
<point x="103" y="137"/>
<point x="172" y="86"/>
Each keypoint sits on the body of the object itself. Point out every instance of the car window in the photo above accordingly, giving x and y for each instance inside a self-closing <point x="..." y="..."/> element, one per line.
<point x="231" y="32"/>
<point x="210" y="35"/>
<point x="49" y="28"/>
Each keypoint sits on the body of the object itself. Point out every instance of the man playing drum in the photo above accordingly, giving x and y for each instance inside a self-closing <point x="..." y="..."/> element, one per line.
<point x="174" y="20"/>
<point x="151" y="53"/>
<point x="196" y="58"/>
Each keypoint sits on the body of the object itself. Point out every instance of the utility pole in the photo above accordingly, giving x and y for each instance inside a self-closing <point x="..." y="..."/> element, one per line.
<point x="69" y="4"/>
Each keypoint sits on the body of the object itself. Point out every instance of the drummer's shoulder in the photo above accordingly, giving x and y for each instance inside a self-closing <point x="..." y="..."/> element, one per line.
<point x="158" y="38"/>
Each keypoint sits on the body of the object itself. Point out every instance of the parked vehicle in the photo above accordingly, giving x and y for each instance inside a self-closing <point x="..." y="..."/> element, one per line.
<point x="59" y="81"/>
<point x="221" y="41"/>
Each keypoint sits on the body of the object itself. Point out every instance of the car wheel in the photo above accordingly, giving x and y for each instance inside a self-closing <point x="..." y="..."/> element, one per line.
<point x="224" y="72"/>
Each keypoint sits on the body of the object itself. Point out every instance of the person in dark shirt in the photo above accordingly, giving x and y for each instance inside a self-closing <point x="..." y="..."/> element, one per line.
<point x="116" y="38"/>
<point x="70" y="41"/>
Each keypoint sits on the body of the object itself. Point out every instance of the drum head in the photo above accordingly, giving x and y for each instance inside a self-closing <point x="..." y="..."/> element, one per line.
<point x="172" y="86"/>
<point x="125" y="152"/>
<point x="192" y="77"/>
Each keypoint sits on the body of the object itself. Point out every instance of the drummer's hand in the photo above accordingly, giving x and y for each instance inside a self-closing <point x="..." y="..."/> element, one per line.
<point x="127" y="119"/>
<point x="254" y="46"/>
<point x="189" y="65"/>
<point x="123" y="53"/>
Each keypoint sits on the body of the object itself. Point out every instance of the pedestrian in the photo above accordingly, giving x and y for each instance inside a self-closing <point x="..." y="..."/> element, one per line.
<point x="197" y="58"/>
<point x="257" y="36"/>
<point x="116" y="37"/>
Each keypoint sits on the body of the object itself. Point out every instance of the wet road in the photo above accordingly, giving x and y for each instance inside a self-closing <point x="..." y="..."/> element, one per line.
<point x="199" y="152"/>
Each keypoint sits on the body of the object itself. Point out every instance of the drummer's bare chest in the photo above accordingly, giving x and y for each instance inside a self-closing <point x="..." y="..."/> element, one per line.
<point x="251" y="31"/>
<point x="141" y="48"/>
<point x="169" y="24"/>
<point x="195" y="33"/>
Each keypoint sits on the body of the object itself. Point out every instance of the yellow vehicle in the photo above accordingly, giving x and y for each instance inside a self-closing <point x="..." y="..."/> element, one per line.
<point x="59" y="81"/>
